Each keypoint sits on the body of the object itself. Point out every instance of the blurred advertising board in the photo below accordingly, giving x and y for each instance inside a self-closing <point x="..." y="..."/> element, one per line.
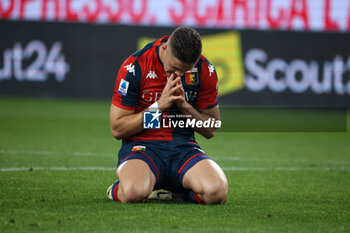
<point x="255" y="68"/>
<point x="305" y="15"/>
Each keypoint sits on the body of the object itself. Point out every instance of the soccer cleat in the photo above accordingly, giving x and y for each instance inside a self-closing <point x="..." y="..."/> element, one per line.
<point x="165" y="195"/>
<point x="112" y="191"/>
<point x="160" y="194"/>
<point x="109" y="192"/>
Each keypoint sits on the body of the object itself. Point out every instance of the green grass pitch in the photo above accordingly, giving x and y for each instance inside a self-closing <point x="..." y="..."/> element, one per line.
<point x="58" y="158"/>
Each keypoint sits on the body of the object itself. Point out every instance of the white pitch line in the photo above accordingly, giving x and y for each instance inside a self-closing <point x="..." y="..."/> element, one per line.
<point x="104" y="154"/>
<point x="47" y="152"/>
<point x="287" y="169"/>
<point x="86" y="153"/>
<point x="339" y="169"/>
<point x="14" y="169"/>
<point x="97" y="154"/>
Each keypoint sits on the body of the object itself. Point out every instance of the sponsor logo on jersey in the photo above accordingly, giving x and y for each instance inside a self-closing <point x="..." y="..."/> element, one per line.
<point x="152" y="75"/>
<point x="138" y="148"/>
<point x="191" y="95"/>
<point x="151" y="96"/>
<point x="123" y="87"/>
<point x="151" y="120"/>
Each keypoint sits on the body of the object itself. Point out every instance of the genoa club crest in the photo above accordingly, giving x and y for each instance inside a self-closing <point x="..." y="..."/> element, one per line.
<point x="191" y="78"/>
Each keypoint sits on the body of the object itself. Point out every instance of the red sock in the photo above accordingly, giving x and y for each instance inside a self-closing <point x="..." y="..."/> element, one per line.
<point x="115" y="191"/>
<point x="197" y="198"/>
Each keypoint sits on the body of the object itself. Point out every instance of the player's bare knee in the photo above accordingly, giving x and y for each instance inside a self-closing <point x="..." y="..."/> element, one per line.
<point x="133" y="193"/>
<point x="215" y="193"/>
<point x="217" y="197"/>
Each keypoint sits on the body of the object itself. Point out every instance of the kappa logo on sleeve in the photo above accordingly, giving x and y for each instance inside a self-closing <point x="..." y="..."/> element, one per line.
<point x="123" y="87"/>
<point x="130" y="68"/>
<point x="211" y="69"/>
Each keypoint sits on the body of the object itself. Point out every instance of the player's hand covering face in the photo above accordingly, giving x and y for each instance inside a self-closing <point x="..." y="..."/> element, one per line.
<point x="172" y="92"/>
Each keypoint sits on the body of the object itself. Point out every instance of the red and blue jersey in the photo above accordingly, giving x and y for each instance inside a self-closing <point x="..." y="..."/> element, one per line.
<point x="141" y="80"/>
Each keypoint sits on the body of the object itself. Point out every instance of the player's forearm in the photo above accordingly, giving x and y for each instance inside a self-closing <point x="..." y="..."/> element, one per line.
<point x="127" y="126"/>
<point x="209" y="132"/>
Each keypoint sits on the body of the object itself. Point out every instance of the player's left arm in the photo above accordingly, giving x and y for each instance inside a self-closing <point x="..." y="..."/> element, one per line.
<point x="202" y="115"/>
<point x="207" y="102"/>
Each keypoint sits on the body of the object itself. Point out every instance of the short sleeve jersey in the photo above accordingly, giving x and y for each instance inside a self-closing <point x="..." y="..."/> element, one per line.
<point x="141" y="80"/>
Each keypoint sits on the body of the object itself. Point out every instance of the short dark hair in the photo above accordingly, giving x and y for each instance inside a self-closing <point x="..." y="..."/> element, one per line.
<point x="186" y="44"/>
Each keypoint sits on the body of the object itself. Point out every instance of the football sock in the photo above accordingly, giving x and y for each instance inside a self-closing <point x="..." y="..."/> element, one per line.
<point x="193" y="197"/>
<point x="115" y="191"/>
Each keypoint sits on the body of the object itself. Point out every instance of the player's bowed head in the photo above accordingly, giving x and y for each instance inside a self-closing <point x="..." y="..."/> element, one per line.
<point x="179" y="54"/>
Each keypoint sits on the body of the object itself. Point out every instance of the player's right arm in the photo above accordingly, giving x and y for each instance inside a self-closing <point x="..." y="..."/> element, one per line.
<point x="125" y="122"/>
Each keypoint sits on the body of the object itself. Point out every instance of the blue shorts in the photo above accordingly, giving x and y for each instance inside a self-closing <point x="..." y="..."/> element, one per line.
<point x="168" y="160"/>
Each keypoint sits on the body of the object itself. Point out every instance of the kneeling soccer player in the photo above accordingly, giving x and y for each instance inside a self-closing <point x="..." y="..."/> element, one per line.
<point x="168" y="77"/>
